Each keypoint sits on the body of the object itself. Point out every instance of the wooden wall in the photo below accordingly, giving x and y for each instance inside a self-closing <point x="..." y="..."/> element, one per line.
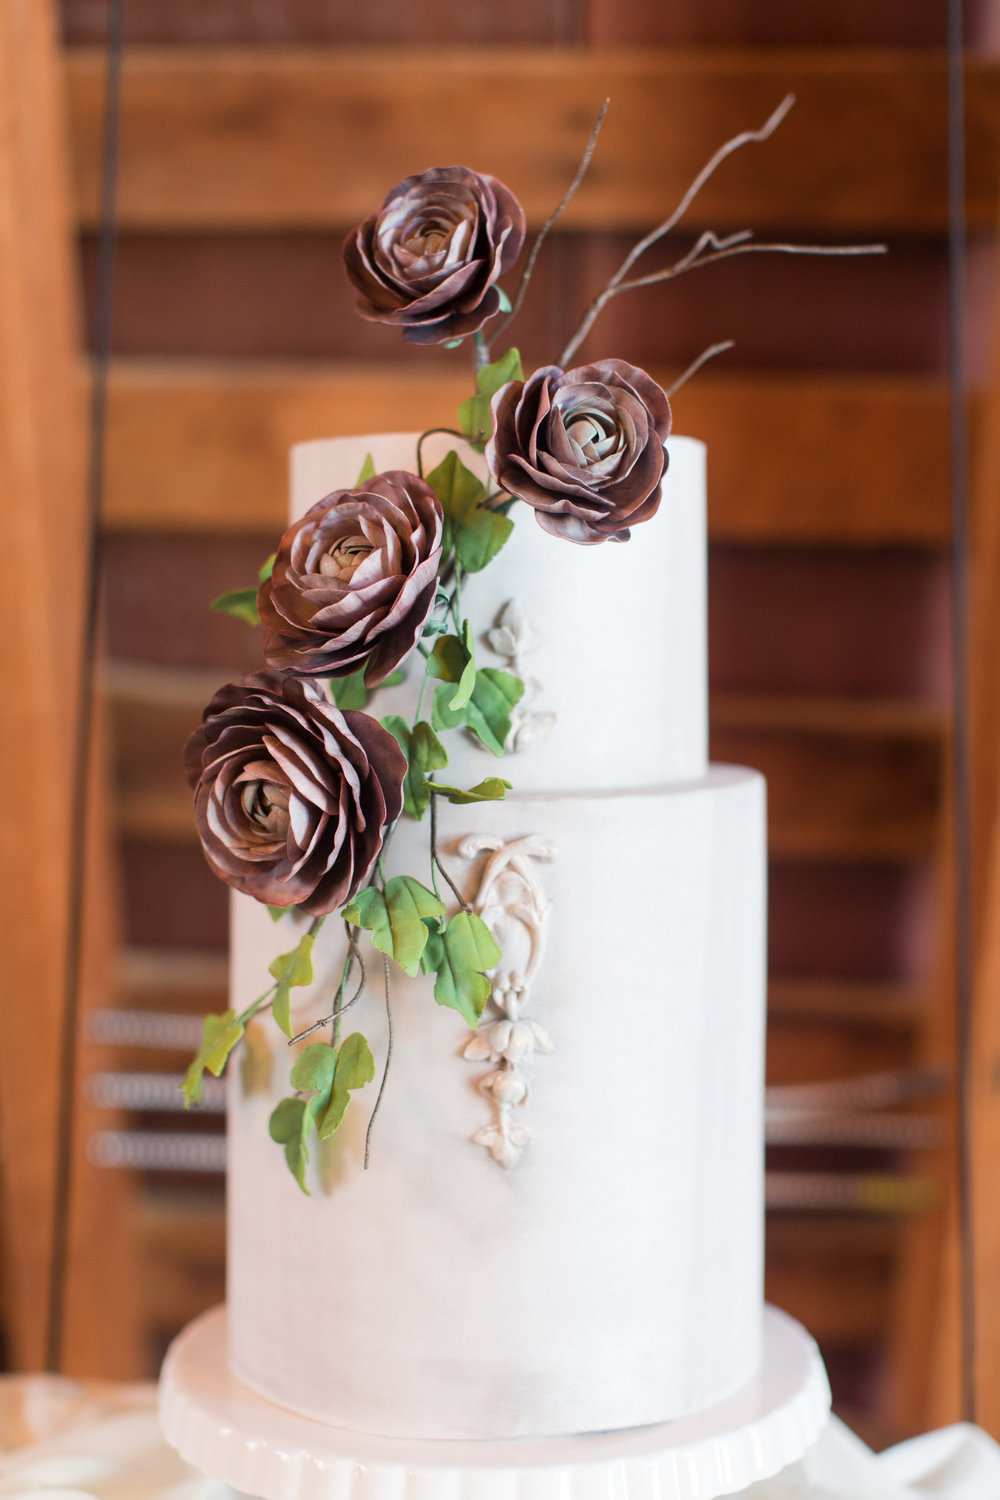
<point x="253" y="136"/>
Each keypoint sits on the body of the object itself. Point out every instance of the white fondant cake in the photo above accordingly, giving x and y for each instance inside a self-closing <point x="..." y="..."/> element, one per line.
<point x="612" y="1276"/>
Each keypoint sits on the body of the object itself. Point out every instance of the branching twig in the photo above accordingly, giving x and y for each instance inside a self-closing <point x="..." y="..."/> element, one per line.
<point x="696" y="364"/>
<point x="729" y="245"/>
<point x="689" y="263"/>
<point x="385" y="1070"/>
<point x="540" y="237"/>
<point x="435" y="857"/>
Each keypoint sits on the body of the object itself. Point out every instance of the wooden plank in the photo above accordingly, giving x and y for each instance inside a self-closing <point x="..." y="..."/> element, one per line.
<point x="42" y="474"/>
<point x="198" y="447"/>
<point x="833" y="1273"/>
<point x="183" y="1258"/>
<point x="886" y="1005"/>
<point x="236" y="139"/>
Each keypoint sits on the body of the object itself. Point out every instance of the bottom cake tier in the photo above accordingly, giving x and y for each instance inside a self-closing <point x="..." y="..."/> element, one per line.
<point x="610" y="1275"/>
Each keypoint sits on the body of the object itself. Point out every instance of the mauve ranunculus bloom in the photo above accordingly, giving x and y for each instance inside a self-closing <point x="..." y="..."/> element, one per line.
<point x="428" y="260"/>
<point x="292" y="796"/>
<point x="353" y="581"/>
<point x="583" y="447"/>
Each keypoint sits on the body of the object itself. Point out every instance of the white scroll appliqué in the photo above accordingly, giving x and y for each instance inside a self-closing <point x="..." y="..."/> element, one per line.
<point x="512" y="903"/>
<point x="511" y="638"/>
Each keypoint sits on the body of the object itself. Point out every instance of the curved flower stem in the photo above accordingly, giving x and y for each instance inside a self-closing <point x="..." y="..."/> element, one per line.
<point x="696" y="364"/>
<point x="436" y="859"/>
<point x="385" y="1070"/>
<point x="353" y="955"/>
<point x="430" y="433"/>
<point x="540" y="237"/>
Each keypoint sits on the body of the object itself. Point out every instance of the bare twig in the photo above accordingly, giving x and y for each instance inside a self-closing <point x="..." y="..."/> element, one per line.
<point x="618" y="280"/>
<point x="689" y="263"/>
<point x="385" y="1070"/>
<point x="745" y="138"/>
<point x="540" y="237"/>
<point x="696" y="364"/>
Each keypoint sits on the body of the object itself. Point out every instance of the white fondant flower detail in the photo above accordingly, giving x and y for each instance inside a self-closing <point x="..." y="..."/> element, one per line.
<point x="505" y="1141"/>
<point x="512" y="635"/>
<point x="507" y="1041"/>
<point x="506" y="1086"/>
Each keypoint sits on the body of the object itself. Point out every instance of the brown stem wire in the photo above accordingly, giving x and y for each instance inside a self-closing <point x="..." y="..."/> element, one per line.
<point x="385" y="1070"/>
<point x="542" y="234"/>
<point x="436" y="858"/>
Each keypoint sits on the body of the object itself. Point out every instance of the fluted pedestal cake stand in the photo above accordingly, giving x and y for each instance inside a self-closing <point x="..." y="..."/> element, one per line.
<point x="235" y="1435"/>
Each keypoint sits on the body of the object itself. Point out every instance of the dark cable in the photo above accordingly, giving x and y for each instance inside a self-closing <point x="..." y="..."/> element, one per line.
<point x="961" y="789"/>
<point x="97" y="426"/>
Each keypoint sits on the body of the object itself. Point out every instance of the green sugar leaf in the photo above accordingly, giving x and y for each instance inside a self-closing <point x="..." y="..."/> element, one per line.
<point x="480" y="538"/>
<point x="239" y="602"/>
<point x="493" y="789"/>
<point x="395" y="918"/>
<point x="355" y="1068"/>
<point x="491" y="377"/>
<point x="505" y="302"/>
<point x="475" y="420"/>
<point x="453" y="659"/>
<point x="424" y="752"/>
<point x="350" y="692"/>
<point x="289" y="1125"/>
<point x="458" y="490"/>
<point x="219" y="1035"/>
<point x="267" y="568"/>
<point x="460" y="957"/>
<point x="488" y="710"/>
<point x="367" y="470"/>
<point x="290" y="970"/>
<point x="314" y="1068"/>
<point x="277" y="912"/>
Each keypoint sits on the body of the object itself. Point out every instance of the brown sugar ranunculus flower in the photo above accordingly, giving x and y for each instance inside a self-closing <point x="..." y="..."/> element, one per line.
<point x="354" y="580"/>
<point x="428" y="260"/>
<point x="292" y="796"/>
<point x="583" y="447"/>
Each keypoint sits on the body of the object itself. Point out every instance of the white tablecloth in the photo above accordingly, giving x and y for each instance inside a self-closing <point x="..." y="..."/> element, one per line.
<point x="102" y="1442"/>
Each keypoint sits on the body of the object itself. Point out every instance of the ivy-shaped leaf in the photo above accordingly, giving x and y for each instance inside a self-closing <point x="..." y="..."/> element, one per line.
<point x="454" y="659"/>
<point x="394" y="918"/>
<point x="350" y="691"/>
<point x="239" y="602"/>
<point x="475" y="419"/>
<point x="290" y="970"/>
<point x="219" y="1035"/>
<point x="289" y="1125"/>
<point x="355" y="1067"/>
<point x="493" y="789"/>
<point x="487" y="712"/>
<point x="459" y="490"/>
<point x="367" y="470"/>
<point x="482" y="535"/>
<point x="424" y="753"/>
<point x="460" y="955"/>
<point x="314" y="1068"/>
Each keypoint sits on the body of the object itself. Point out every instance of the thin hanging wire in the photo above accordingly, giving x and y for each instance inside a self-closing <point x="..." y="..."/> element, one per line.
<point x="961" y="790"/>
<point x="97" y="427"/>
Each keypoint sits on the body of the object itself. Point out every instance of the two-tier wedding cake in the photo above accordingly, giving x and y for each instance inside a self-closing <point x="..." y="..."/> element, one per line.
<point x="610" y="1275"/>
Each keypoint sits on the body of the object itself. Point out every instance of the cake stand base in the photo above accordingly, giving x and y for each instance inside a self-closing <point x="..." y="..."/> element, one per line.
<point x="233" y="1434"/>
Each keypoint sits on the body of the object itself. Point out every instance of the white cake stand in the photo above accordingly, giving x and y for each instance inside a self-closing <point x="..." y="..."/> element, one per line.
<point x="235" y="1435"/>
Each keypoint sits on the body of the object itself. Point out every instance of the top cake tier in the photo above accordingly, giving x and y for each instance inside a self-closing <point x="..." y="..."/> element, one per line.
<point x="609" y="639"/>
